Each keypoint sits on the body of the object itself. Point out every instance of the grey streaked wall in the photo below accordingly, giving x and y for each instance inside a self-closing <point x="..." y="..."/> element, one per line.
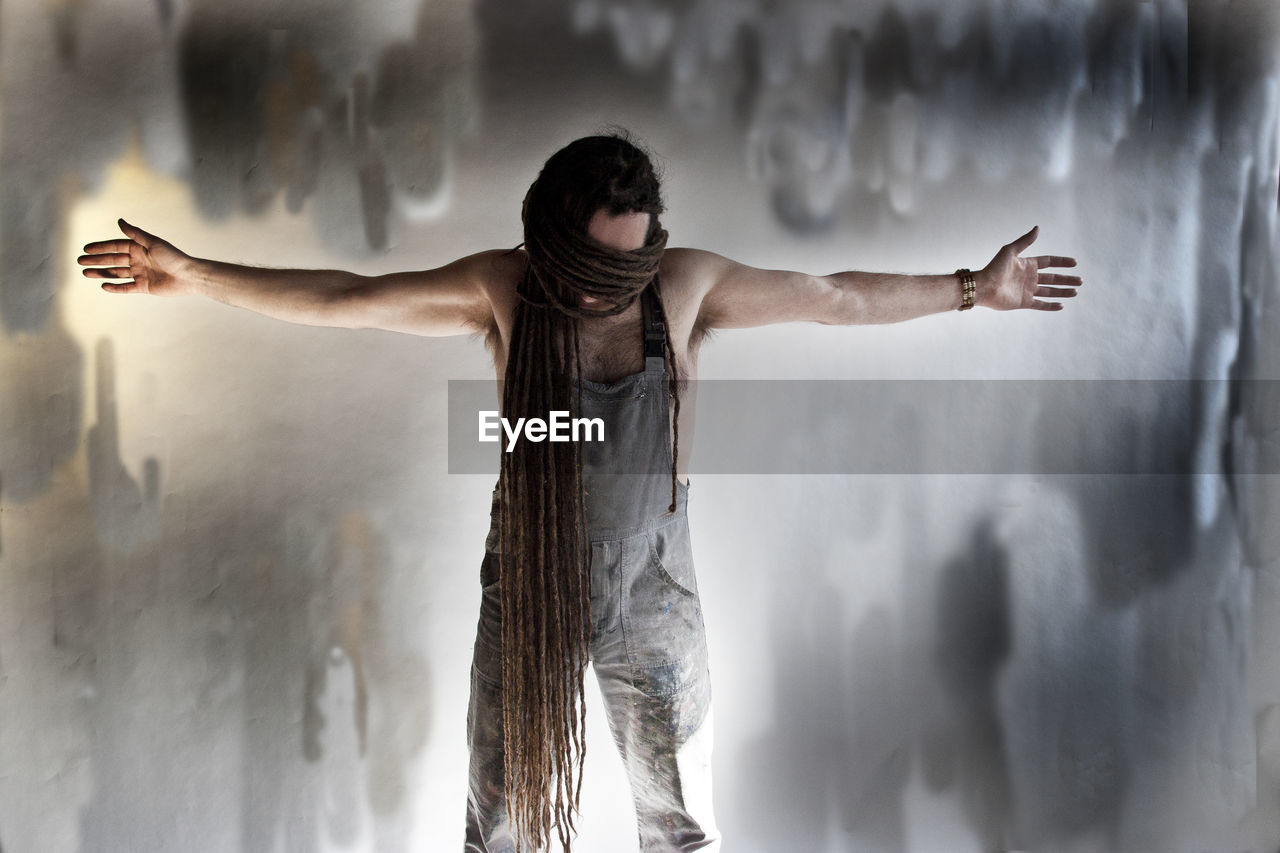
<point x="238" y="586"/>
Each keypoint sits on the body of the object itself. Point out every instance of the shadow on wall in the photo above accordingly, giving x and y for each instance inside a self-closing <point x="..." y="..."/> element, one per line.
<point x="1066" y="695"/>
<point x="972" y="643"/>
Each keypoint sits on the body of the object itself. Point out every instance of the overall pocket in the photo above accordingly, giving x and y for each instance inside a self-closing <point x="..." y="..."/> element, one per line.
<point x="672" y="556"/>
<point x="663" y="616"/>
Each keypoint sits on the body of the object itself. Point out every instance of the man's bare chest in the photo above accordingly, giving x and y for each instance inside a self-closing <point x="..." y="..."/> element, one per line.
<point x="611" y="347"/>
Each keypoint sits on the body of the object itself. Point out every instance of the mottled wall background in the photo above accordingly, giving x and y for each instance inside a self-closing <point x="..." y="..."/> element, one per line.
<point x="238" y="587"/>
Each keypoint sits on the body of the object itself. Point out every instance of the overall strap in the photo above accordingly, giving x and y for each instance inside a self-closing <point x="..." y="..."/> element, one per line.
<point x="655" y="336"/>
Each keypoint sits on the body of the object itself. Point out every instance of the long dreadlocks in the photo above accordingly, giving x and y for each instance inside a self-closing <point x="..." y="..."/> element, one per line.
<point x="544" y="569"/>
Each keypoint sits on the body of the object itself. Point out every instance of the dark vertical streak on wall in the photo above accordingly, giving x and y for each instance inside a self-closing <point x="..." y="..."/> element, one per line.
<point x="974" y="637"/>
<point x="222" y="72"/>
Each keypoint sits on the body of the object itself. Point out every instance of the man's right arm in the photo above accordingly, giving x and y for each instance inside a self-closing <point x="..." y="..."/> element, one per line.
<point x="451" y="300"/>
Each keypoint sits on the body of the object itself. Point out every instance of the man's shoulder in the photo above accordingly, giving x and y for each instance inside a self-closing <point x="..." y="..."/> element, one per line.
<point x="684" y="260"/>
<point x="687" y="272"/>
<point x="499" y="268"/>
<point x="687" y="275"/>
<point x="497" y="272"/>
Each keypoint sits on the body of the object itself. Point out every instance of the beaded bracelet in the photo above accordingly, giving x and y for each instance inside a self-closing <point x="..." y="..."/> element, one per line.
<point x="968" y="286"/>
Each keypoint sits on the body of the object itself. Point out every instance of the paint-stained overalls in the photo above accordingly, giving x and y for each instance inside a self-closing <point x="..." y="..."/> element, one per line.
<point x="648" y="645"/>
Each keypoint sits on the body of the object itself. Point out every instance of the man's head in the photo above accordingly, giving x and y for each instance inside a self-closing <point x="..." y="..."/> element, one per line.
<point x="595" y="173"/>
<point x="591" y="222"/>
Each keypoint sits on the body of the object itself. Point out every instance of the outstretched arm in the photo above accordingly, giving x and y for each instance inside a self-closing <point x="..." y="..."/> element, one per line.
<point x="737" y="296"/>
<point x="451" y="300"/>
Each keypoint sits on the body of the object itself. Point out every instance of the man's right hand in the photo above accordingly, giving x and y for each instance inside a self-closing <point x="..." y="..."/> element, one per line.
<point x="149" y="264"/>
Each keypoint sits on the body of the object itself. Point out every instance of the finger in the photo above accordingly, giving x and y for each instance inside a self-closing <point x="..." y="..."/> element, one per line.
<point x="1055" y="292"/>
<point x="136" y="233"/>
<point x="120" y="288"/>
<point x="1020" y="245"/>
<point x="1043" y="261"/>
<point x="1061" y="280"/>
<point x="1046" y="306"/>
<point x="107" y="272"/>
<point x="114" y="259"/>
<point x="103" y="246"/>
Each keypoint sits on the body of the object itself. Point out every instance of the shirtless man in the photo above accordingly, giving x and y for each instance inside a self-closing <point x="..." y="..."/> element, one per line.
<point x="642" y="625"/>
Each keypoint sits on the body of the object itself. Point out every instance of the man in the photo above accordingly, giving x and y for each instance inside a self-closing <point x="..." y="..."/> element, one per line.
<point x="588" y="555"/>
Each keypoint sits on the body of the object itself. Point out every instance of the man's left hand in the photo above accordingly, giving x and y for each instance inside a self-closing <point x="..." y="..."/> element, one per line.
<point x="1010" y="281"/>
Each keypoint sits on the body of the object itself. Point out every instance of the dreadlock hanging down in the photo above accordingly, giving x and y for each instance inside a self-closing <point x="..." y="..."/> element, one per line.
<point x="544" y="568"/>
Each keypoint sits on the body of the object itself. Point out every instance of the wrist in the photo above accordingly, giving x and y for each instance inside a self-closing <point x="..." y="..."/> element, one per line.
<point x="193" y="277"/>
<point x="982" y="288"/>
<point x="967" y="289"/>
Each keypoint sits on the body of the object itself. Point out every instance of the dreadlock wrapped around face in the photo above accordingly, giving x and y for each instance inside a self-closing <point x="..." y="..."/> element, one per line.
<point x="544" y="561"/>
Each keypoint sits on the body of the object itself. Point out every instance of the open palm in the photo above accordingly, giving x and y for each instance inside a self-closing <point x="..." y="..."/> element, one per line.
<point x="146" y="263"/>
<point x="1010" y="281"/>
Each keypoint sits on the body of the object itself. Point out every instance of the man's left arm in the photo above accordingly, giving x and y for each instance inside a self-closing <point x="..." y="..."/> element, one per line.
<point x="736" y="296"/>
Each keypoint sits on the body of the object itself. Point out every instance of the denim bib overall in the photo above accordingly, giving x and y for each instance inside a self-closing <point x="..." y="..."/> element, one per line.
<point x="648" y="646"/>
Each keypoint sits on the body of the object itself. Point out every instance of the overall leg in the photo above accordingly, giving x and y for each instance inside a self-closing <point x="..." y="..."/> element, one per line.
<point x="488" y="823"/>
<point x="655" y="681"/>
<point x="488" y="827"/>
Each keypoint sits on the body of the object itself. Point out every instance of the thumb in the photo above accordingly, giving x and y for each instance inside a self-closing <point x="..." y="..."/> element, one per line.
<point x="1022" y="243"/>
<point x="136" y="234"/>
